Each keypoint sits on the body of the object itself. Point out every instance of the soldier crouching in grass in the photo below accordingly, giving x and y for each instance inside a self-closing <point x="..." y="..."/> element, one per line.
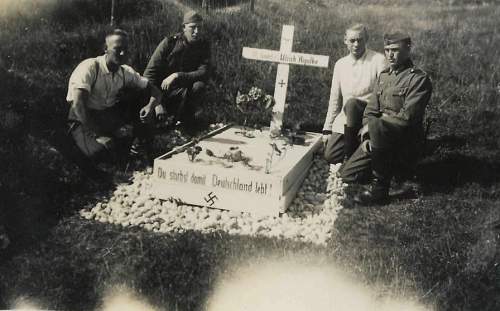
<point x="393" y="124"/>
<point x="180" y="67"/>
<point x="100" y="119"/>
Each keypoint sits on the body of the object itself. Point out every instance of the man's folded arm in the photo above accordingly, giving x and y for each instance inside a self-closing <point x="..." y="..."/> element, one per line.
<point x="203" y="70"/>
<point x="157" y="63"/>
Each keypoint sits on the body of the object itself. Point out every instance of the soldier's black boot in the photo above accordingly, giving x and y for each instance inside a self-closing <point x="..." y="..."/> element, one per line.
<point x="377" y="194"/>
<point x="350" y="141"/>
<point x="378" y="191"/>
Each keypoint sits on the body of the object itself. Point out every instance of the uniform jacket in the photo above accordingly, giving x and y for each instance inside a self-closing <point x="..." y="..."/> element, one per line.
<point x="174" y="54"/>
<point x="400" y="97"/>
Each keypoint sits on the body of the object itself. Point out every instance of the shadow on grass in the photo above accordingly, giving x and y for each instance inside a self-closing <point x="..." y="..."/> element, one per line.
<point x="82" y="260"/>
<point x="455" y="170"/>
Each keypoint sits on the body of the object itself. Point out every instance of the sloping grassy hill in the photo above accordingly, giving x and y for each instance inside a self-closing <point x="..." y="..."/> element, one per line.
<point x="442" y="246"/>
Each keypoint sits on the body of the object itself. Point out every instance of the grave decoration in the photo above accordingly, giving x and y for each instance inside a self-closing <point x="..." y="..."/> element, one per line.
<point x="258" y="172"/>
<point x="254" y="103"/>
<point x="284" y="57"/>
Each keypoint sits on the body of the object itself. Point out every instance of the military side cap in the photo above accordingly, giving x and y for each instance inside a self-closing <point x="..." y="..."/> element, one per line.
<point x="391" y="38"/>
<point x="192" y="17"/>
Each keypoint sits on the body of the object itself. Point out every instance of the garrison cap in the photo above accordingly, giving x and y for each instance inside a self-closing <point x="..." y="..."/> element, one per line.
<point x="391" y="38"/>
<point x="192" y="17"/>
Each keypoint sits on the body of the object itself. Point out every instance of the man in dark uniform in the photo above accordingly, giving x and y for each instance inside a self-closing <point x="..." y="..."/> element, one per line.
<point x="393" y="129"/>
<point x="180" y="67"/>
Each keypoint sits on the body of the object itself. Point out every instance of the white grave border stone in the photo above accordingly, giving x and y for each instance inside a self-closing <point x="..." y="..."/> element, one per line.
<point x="283" y="57"/>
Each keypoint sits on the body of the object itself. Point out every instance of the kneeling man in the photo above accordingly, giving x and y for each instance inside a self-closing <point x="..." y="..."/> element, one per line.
<point x="98" y="114"/>
<point x="353" y="78"/>
<point x="393" y="121"/>
<point x="180" y="67"/>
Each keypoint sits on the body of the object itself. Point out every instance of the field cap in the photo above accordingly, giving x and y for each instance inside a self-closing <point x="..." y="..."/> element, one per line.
<point x="392" y="38"/>
<point x="192" y="17"/>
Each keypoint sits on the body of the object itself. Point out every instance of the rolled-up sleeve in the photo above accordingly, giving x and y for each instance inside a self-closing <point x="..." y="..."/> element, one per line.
<point x="335" y="101"/>
<point x="82" y="78"/>
<point x="134" y="79"/>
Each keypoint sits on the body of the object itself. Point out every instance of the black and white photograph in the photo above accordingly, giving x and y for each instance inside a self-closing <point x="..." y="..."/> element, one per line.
<point x="250" y="155"/>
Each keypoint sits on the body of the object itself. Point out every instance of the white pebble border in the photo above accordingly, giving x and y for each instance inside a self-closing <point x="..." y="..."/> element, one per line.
<point x="309" y="218"/>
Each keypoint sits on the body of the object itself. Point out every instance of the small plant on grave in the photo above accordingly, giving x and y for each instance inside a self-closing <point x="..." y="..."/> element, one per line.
<point x="193" y="151"/>
<point x="253" y="103"/>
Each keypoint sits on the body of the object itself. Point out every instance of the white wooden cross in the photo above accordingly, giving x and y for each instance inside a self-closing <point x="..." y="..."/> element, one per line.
<point x="284" y="57"/>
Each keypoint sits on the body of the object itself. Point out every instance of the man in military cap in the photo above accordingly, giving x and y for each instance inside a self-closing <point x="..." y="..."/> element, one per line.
<point x="352" y="86"/>
<point x="180" y="67"/>
<point x="393" y="129"/>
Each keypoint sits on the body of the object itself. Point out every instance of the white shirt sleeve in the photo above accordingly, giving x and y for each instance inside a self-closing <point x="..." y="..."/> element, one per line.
<point x="335" y="102"/>
<point x="83" y="76"/>
<point x="133" y="78"/>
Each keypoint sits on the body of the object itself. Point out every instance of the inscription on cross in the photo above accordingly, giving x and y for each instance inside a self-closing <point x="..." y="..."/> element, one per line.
<point x="283" y="57"/>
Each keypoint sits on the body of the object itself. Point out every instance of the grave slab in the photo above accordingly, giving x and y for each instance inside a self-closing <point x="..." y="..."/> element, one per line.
<point x="213" y="181"/>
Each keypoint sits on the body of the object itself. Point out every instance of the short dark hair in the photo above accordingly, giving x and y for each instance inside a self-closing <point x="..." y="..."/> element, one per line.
<point x="117" y="32"/>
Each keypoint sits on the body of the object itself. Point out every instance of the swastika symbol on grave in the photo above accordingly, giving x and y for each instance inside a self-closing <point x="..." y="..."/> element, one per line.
<point x="210" y="199"/>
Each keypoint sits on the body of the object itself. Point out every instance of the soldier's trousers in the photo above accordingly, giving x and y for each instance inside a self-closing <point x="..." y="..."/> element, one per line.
<point x="184" y="102"/>
<point x="402" y="143"/>
<point x="334" y="149"/>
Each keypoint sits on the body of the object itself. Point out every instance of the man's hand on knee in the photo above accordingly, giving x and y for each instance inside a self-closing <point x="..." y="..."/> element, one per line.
<point x="324" y="138"/>
<point x="363" y="133"/>
<point x="169" y="81"/>
<point x="106" y="141"/>
<point x="161" y="114"/>
<point x="366" y="146"/>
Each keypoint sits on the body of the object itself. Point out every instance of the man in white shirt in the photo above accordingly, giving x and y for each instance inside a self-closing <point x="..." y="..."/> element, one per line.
<point x="353" y="78"/>
<point x="97" y="120"/>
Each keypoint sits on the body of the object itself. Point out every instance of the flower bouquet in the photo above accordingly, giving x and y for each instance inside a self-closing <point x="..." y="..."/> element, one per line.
<point x="253" y="103"/>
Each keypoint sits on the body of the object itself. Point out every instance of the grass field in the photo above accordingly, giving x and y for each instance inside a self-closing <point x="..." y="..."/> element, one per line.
<point x="441" y="248"/>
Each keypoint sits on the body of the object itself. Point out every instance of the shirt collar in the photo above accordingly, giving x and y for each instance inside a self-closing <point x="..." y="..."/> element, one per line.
<point x="361" y="59"/>
<point x="402" y="68"/>
<point x="102" y="64"/>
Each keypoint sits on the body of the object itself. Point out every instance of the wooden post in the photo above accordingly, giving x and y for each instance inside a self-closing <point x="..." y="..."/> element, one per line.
<point x="113" y="2"/>
<point x="252" y="5"/>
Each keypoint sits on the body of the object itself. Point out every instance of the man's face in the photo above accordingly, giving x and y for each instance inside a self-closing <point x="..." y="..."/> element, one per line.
<point x="192" y="32"/>
<point x="355" y="42"/>
<point x="397" y="54"/>
<point x="116" y="49"/>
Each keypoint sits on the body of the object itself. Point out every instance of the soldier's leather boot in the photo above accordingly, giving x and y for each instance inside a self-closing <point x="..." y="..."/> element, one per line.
<point x="378" y="192"/>
<point x="350" y="141"/>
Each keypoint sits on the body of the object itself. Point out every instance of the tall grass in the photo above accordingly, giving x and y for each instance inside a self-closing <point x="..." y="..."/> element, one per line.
<point x="452" y="43"/>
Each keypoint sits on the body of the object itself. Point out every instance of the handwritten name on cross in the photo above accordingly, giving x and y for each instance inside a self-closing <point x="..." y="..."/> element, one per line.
<point x="283" y="57"/>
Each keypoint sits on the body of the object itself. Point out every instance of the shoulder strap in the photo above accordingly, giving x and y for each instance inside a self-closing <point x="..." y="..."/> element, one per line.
<point x="96" y="67"/>
<point x="123" y="75"/>
<point x="172" y="41"/>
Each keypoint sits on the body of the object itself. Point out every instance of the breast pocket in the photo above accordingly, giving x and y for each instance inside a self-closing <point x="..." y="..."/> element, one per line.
<point x="397" y="99"/>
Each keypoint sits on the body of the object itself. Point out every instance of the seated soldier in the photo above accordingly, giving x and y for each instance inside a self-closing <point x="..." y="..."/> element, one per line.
<point x="98" y="116"/>
<point x="353" y="78"/>
<point x="393" y="123"/>
<point x="180" y="66"/>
